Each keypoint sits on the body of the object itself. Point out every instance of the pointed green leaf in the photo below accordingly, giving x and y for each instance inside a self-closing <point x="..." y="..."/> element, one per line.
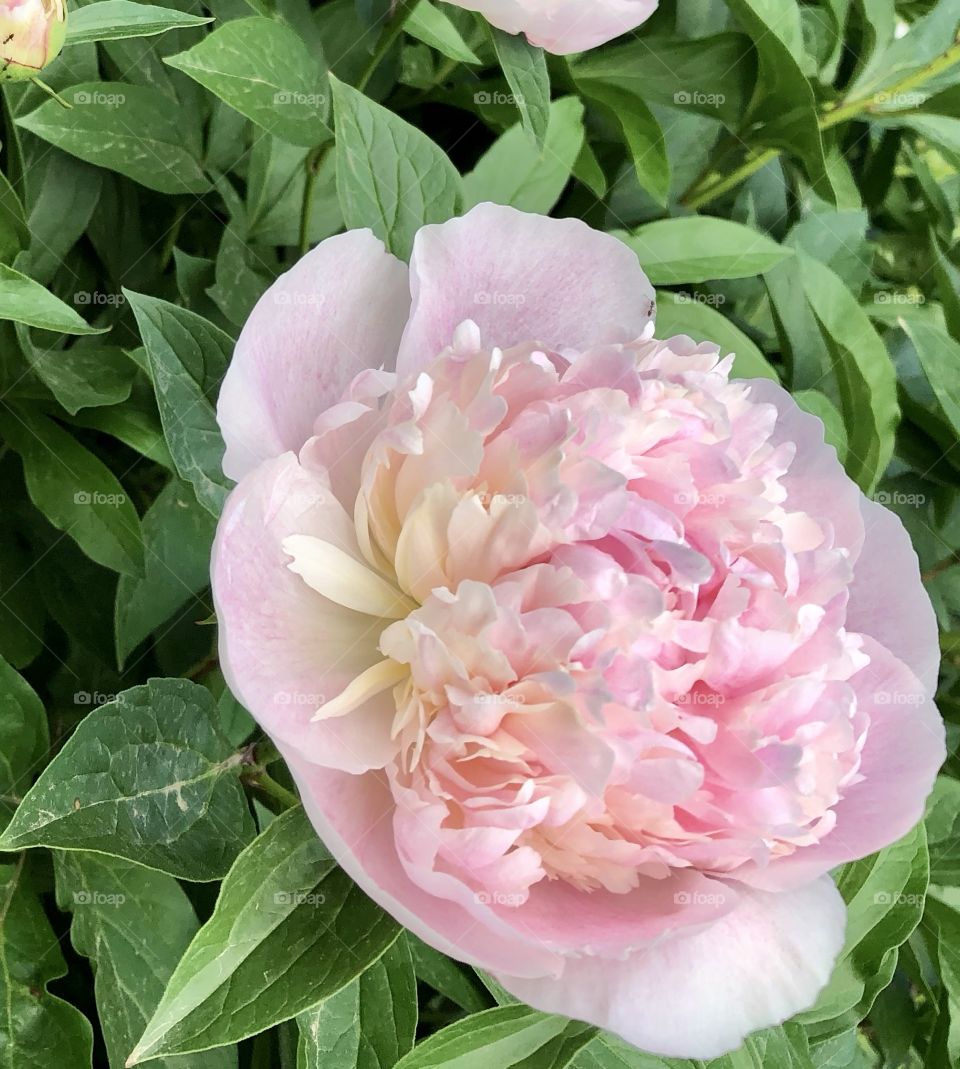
<point x="289" y="929"/>
<point x="147" y="777"/>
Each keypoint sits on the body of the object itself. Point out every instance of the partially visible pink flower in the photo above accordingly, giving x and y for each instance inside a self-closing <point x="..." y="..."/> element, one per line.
<point x="589" y="662"/>
<point x="564" y="26"/>
<point x="32" y="33"/>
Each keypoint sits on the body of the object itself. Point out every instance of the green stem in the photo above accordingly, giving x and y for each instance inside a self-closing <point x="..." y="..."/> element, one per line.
<point x="265" y="753"/>
<point x="695" y="199"/>
<point x="50" y="91"/>
<point x="257" y="757"/>
<point x="314" y="162"/>
<point x="703" y="192"/>
<point x="388" y="37"/>
<point x="852" y="108"/>
<point x="274" y="792"/>
<point x="941" y="566"/>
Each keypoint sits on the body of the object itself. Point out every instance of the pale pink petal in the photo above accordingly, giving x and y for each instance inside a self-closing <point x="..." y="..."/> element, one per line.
<point x="609" y="924"/>
<point x="904" y="749"/>
<point x="816" y="481"/>
<point x="354" y="816"/>
<point x="521" y="278"/>
<point x="286" y="650"/>
<point x="564" y="26"/>
<point x="887" y="598"/>
<point x="700" y="995"/>
<point x="339" y="310"/>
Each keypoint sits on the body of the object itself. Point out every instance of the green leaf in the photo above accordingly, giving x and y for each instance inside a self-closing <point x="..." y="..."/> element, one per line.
<point x="865" y="374"/>
<point x="642" y="133"/>
<point x="525" y="68"/>
<point x="446" y="976"/>
<point x="680" y="314"/>
<point x="505" y="1036"/>
<point x="390" y="176"/>
<point x="819" y="405"/>
<point x="369" y="1024"/>
<point x="14" y="232"/>
<point x="177" y="538"/>
<point x="939" y="356"/>
<point x="710" y="76"/>
<point x="784" y="102"/>
<point x="948" y="287"/>
<point x="608" y="1051"/>
<point x="147" y="777"/>
<point x="60" y="213"/>
<point x="289" y="930"/>
<point x="262" y="68"/>
<point x="188" y="357"/>
<point x="802" y="345"/>
<point x="885" y="898"/>
<point x="76" y="491"/>
<point x="24" y="738"/>
<point x="134" y="130"/>
<point x="85" y="376"/>
<point x="37" y="1029"/>
<point x="702" y="248"/>
<point x="512" y="171"/>
<point x="110" y="20"/>
<point x="773" y="1048"/>
<point x="134" y="423"/>
<point x="133" y="925"/>
<point x="944" y="922"/>
<point x="24" y="301"/>
<point x="943" y="831"/>
<point x="907" y="54"/>
<point x="430" y="25"/>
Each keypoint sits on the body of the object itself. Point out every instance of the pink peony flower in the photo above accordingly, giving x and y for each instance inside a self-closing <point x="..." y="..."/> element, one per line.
<point x="589" y="663"/>
<point x="564" y="26"/>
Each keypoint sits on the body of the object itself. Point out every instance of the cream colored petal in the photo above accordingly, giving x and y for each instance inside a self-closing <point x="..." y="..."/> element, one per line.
<point x="343" y="579"/>
<point x="367" y="685"/>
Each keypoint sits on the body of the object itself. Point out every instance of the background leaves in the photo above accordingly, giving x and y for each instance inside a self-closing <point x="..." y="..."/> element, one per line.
<point x="788" y="174"/>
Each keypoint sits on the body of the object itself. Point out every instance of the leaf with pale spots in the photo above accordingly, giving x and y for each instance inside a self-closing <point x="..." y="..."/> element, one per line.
<point x="147" y="777"/>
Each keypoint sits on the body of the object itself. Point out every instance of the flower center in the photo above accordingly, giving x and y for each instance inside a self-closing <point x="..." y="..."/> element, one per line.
<point x="614" y="649"/>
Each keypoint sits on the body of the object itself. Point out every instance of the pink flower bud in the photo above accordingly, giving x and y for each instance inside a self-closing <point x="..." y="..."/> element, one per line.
<point x="32" y="33"/>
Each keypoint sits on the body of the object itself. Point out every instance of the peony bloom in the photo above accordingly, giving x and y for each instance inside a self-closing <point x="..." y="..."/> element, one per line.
<point x="589" y="663"/>
<point x="564" y="26"/>
<point x="32" y="33"/>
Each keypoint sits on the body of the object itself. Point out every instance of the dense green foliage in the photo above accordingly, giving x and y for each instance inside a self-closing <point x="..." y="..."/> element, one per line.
<point x="788" y="173"/>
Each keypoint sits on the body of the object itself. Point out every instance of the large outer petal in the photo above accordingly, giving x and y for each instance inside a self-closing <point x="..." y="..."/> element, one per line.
<point x="887" y="598"/>
<point x="606" y="923"/>
<point x="338" y="310"/>
<point x="353" y="816"/>
<point x="521" y="278"/>
<point x="699" y="995"/>
<point x="564" y="26"/>
<point x="284" y="648"/>
<point x="904" y="748"/>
